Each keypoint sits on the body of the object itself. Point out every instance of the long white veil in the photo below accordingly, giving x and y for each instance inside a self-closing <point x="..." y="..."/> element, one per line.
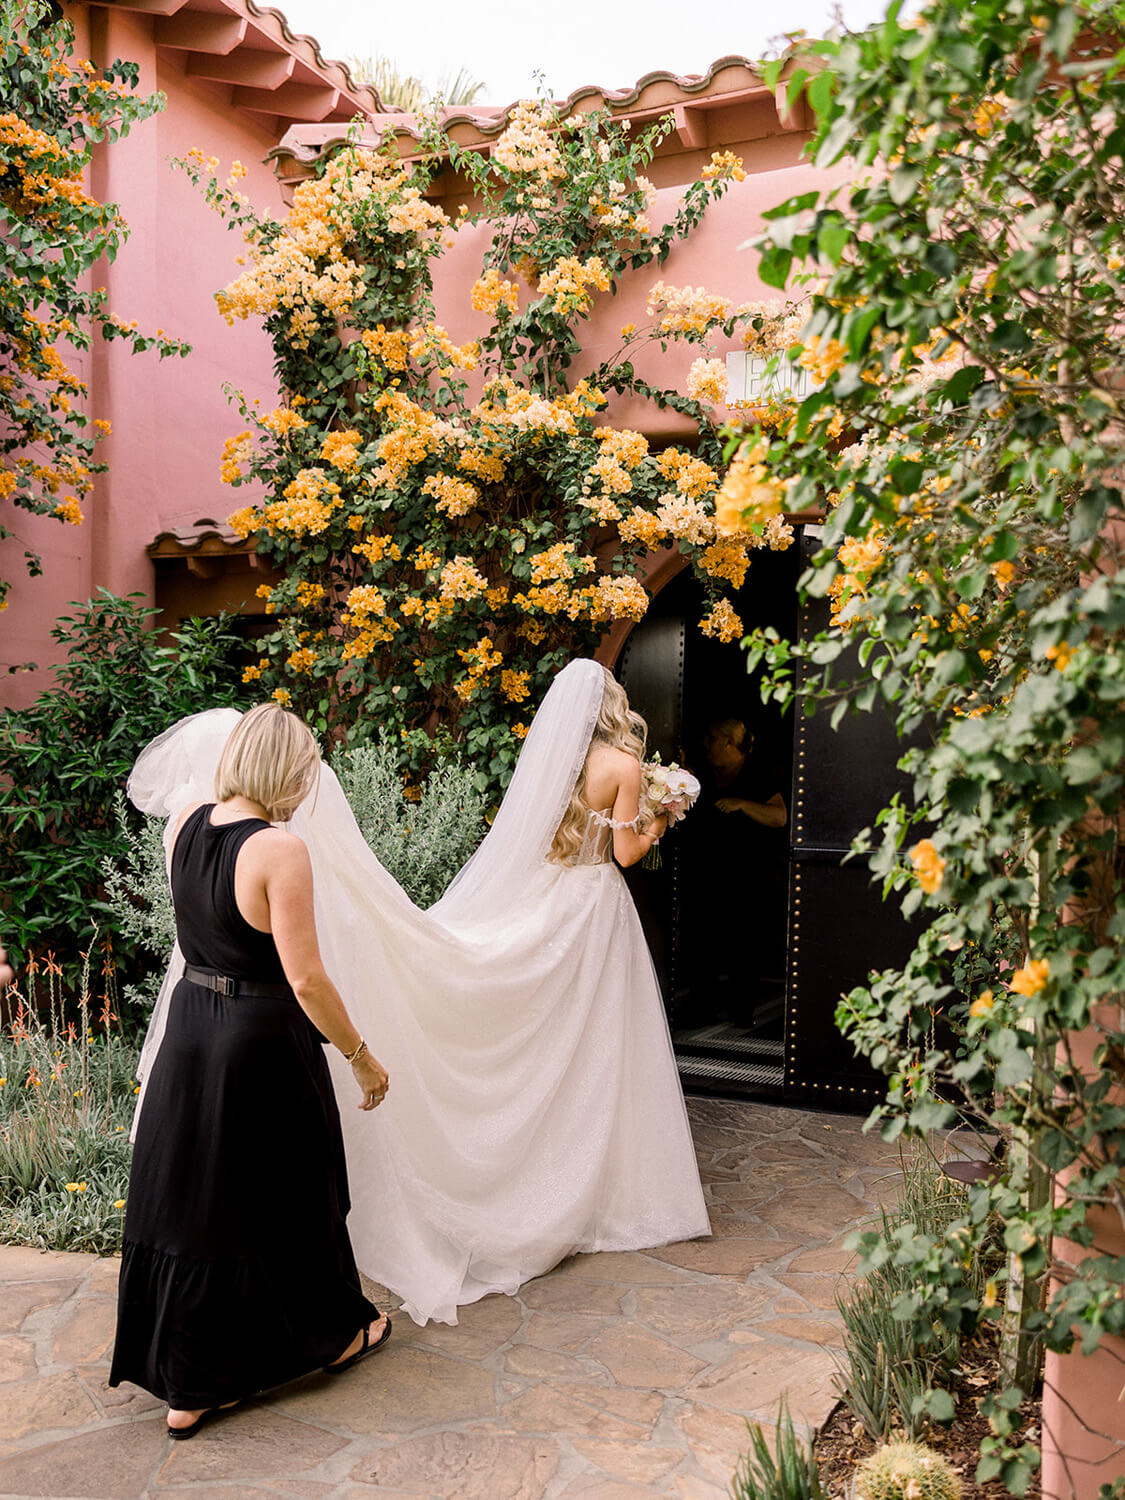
<point x="548" y="767"/>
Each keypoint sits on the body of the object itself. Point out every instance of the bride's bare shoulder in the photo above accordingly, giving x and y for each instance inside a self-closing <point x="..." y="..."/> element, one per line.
<point x="612" y="768"/>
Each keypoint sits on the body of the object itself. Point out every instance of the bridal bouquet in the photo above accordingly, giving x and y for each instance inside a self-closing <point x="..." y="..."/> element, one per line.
<point x="667" y="791"/>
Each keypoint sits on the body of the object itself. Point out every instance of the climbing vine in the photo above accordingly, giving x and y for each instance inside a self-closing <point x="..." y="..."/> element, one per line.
<point x="54" y="109"/>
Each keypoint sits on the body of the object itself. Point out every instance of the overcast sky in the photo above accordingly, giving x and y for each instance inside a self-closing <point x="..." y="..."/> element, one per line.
<point x="573" y="43"/>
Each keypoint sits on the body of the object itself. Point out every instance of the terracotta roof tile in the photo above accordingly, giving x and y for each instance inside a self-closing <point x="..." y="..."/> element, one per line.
<point x="728" y="78"/>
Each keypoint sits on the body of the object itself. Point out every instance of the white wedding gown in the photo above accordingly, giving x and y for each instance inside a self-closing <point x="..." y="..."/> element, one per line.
<point x="534" y="1107"/>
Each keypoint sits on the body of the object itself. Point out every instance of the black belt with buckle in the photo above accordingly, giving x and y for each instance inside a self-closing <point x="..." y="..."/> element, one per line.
<point x="224" y="984"/>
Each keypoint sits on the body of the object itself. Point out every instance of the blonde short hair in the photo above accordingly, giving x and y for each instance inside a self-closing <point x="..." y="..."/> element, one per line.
<point x="271" y="758"/>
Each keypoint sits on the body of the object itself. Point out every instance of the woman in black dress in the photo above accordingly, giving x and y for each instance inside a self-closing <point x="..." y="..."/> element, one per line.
<point x="237" y="1272"/>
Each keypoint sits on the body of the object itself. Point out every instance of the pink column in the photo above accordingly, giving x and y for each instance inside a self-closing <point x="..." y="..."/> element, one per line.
<point x="1084" y="1395"/>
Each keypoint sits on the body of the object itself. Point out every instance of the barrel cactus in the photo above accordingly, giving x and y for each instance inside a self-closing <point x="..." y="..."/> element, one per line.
<point x="906" y="1471"/>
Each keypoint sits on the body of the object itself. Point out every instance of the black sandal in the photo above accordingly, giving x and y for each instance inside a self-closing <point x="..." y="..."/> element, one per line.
<point x="181" y="1434"/>
<point x="362" y="1352"/>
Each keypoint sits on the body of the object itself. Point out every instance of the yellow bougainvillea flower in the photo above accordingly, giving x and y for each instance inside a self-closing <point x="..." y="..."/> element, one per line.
<point x="929" y="867"/>
<point x="722" y="621"/>
<point x="1031" y="978"/>
<point x="982" y="1004"/>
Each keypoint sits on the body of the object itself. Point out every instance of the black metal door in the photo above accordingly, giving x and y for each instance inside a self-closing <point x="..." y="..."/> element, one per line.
<point x="839" y="928"/>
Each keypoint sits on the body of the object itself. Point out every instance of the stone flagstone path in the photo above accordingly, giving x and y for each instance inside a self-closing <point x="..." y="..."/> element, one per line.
<point x="614" y="1377"/>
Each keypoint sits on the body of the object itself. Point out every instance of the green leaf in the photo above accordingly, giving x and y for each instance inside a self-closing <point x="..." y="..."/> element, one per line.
<point x="903" y="183"/>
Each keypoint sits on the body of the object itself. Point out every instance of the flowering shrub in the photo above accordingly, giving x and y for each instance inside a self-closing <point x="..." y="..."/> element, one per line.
<point x="444" y="553"/>
<point x="968" y="338"/>
<point x="67" y="1092"/>
<point x="53" y="108"/>
<point x="421" y="833"/>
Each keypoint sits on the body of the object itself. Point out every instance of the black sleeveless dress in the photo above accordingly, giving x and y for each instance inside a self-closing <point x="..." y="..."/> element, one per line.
<point x="237" y="1272"/>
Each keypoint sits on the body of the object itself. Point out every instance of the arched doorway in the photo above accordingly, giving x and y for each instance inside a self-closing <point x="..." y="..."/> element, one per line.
<point x="757" y="931"/>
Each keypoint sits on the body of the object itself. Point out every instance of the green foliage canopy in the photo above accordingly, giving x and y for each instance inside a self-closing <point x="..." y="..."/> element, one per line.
<point x="967" y="342"/>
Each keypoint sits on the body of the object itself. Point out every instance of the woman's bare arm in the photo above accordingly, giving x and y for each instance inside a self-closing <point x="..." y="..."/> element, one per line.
<point x="628" y="846"/>
<point x="286" y="872"/>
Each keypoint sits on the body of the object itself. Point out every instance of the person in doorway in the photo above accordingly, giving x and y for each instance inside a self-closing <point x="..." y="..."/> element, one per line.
<point x="237" y="1271"/>
<point x="734" y="898"/>
<point x="735" y="782"/>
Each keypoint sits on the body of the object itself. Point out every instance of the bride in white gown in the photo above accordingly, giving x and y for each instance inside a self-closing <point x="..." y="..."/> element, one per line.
<point x="534" y="1108"/>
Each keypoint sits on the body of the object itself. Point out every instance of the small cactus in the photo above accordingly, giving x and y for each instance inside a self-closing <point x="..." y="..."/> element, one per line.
<point x="905" y="1471"/>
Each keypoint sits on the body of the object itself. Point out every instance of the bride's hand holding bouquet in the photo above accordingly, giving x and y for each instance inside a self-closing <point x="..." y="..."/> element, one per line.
<point x="667" y="793"/>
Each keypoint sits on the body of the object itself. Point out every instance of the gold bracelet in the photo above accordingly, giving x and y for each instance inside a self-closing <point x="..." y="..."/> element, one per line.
<point x="350" y="1057"/>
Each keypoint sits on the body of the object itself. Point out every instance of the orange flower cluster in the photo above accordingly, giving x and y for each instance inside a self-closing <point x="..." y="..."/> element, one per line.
<point x="722" y="622"/>
<point x="707" y="380"/>
<point x="527" y="145"/>
<point x="431" y="339"/>
<point x="480" y="659"/>
<point x="366" y="613"/>
<point x="391" y="346"/>
<point x="686" y="520"/>
<point x="456" y="497"/>
<point x="378" y="549"/>
<point x="690" y="310"/>
<point x="237" y="451"/>
<point x="461" y="580"/>
<point x="303" y="660"/>
<point x="822" y="357"/>
<point x="283" y="421"/>
<point x="620" y="451"/>
<point x="727" y="557"/>
<point x="929" y="867"/>
<point x="515" y="685"/>
<point x="641" y="525"/>
<point x="570" y="281"/>
<point x="491" y="292"/>
<point x="70" y="511"/>
<point x="724" y="165"/>
<point x="305" y="509"/>
<point x="690" y="475"/>
<point x="559" y="561"/>
<point x="748" y="496"/>
<point x="415" y="435"/>
<point x="341" y="449"/>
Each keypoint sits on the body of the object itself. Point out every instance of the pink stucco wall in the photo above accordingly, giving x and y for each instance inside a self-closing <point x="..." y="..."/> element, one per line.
<point x="1083" y="1395"/>
<point x="169" y="417"/>
<point x="710" y="258"/>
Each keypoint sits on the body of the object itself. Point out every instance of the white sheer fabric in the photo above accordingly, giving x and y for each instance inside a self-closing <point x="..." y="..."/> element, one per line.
<point x="534" y="1107"/>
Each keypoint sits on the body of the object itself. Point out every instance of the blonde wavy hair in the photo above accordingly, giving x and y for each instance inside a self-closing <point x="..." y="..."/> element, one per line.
<point x="271" y="758"/>
<point x="618" y="727"/>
